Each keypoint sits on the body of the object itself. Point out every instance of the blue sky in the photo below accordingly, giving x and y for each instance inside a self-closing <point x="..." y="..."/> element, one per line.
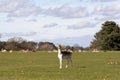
<point x="68" y="22"/>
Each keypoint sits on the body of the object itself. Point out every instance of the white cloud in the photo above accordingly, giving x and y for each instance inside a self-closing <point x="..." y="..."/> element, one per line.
<point x="11" y="5"/>
<point x="31" y="20"/>
<point x="19" y="8"/>
<point x="67" y="12"/>
<point x="13" y="34"/>
<point x="107" y="10"/>
<point x="9" y="20"/>
<point x="50" y="25"/>
<point x="25" y="11"/>
<point x="22" y="8"/>
<point x="104" y="0"/>
<point x="82" y="25"/>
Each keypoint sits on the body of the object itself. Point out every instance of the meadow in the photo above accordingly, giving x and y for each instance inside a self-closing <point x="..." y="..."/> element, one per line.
<point x="45" y="66"/>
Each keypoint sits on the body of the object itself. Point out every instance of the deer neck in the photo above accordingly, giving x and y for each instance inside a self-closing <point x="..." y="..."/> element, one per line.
<point x="59" y="51"/>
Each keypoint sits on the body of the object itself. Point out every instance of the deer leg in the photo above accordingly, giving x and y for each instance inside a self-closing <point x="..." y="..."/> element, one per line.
<point x="60" y="63"/>
<point x="67" y="62"/>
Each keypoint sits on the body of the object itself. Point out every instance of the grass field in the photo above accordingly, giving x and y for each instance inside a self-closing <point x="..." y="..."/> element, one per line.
<point x="45" y="66"/>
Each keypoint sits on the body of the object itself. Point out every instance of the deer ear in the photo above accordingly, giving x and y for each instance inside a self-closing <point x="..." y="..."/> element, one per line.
<point x="59" y="45"/>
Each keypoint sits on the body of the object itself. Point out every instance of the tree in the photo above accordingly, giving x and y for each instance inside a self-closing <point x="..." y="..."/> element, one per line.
<point x="11" y="46"/>
<point x="16" y="39"/>
<point x="2" y="45"/>
<point x="108" y="38"/>
<point x="14" y="43"/>
<point x="46" y="46"/>
<point x="95" y="45"/>
<point x="76" y="47"/>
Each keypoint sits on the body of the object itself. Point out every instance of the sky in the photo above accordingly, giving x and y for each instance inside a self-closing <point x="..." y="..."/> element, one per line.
<point x="67" y="22"/>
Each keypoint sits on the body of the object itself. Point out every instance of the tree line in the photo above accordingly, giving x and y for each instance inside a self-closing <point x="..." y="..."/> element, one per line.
<point x="108" y="38"/>
<point x="18" y="43"/>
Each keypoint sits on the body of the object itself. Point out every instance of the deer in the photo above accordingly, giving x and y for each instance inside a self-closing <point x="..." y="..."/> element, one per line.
<point x="64" y="55"/>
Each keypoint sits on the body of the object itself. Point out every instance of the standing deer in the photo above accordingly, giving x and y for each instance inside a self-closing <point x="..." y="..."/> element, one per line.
<point x="64" y="54"/>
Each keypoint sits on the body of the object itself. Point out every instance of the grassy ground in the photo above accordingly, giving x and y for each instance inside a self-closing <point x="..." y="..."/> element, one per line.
<point x="45" y="66"/>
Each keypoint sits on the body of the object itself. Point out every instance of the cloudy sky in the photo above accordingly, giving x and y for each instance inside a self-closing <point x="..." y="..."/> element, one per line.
<point x="68" y="22"/>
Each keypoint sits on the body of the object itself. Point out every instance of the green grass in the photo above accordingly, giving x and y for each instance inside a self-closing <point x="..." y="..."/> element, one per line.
<point x="45" y="66"/>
